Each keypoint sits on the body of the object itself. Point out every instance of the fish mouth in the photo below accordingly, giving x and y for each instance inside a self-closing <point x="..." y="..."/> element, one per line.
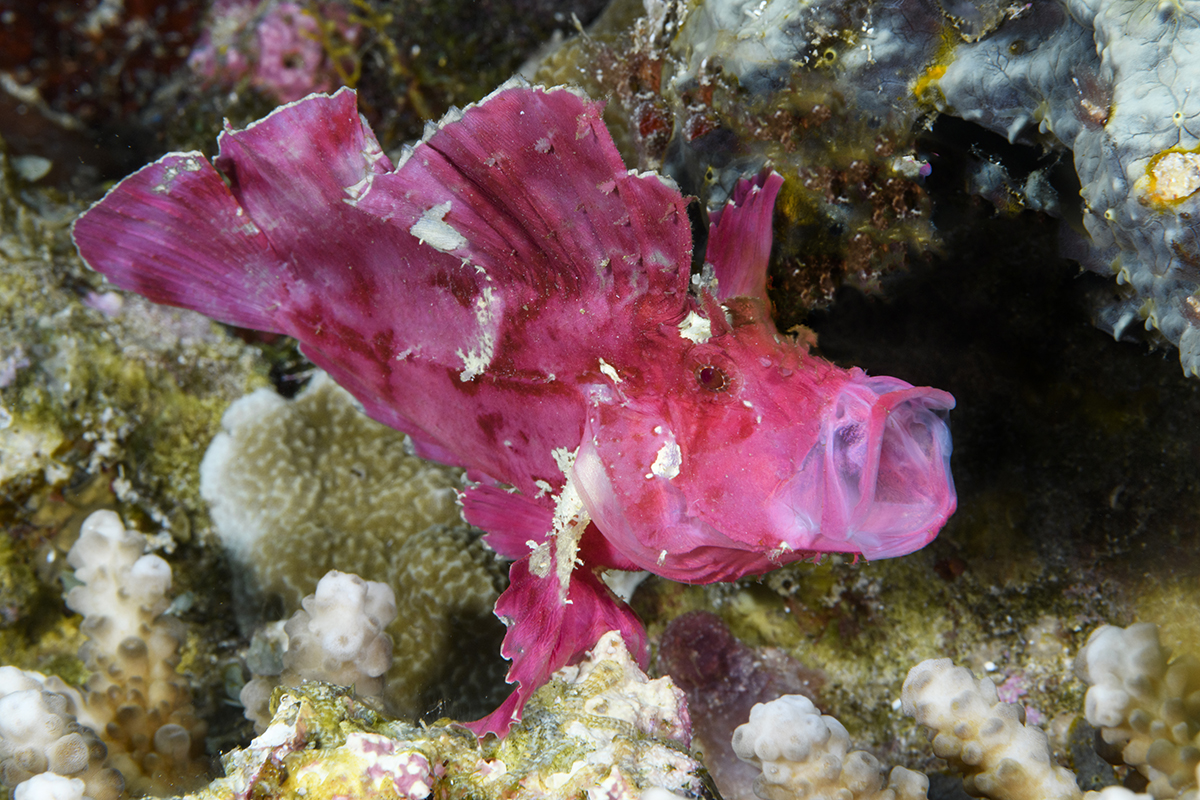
<point x="880" y="473"/>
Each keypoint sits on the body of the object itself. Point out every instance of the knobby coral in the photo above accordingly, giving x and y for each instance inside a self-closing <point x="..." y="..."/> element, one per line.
<point x="1145" y="701"/>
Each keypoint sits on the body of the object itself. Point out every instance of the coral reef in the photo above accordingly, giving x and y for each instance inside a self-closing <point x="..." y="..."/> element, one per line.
<point x="1075" y="457"/>
<point x="803" y="753"/>
<point x="709" y="91"/>
<point x="285" y="49"/>
<point x="304" y="486"/>
<point x="336" y="637"/>
<point x="1146" y="703"/>
<point x="1086" y="74"/>
<point x="833" y="94"/>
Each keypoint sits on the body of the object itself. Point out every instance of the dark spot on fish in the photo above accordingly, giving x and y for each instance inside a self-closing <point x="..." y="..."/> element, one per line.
<point x="461" y="287"/>
<point x="712" y="378"/>
<point x="490" y="424"/>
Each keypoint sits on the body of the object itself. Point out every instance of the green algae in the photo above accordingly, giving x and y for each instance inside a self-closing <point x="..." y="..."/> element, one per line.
<point x="125" y="401"/>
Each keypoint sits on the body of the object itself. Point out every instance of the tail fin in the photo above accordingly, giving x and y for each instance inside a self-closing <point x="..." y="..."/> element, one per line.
<point x="174" y="232"/>
<point x="178" y="233"/>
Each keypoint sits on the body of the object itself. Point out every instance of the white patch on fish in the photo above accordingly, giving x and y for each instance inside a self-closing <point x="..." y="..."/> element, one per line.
<point x="695" y="328"/>
<point x="610" y="371"/>
<point x="476" y="360"/>
<point x="668" y="460"/>
<point x="433" y="230"/>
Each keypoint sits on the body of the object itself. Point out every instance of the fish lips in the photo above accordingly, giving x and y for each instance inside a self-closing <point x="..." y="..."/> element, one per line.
<point x="876" y="481"/>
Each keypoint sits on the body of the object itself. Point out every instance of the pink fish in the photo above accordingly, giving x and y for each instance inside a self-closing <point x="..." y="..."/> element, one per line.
<point x="519" y="303"/>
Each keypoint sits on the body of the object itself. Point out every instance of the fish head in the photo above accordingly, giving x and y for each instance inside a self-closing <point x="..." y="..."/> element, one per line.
<point x="743" y="452"/>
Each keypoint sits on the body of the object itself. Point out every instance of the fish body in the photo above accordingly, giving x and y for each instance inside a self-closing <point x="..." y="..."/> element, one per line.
<point x="520" y="304"/>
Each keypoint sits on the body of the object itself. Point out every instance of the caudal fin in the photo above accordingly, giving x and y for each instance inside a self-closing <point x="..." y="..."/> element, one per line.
<point x="273" y="232"/>
<point x="173" y="232"/>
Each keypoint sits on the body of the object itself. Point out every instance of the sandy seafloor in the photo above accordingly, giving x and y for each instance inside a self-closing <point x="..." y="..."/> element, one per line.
<point x="1076" y="457"/>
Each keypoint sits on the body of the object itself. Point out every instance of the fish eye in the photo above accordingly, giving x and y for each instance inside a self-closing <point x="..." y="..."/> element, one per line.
<point x="712" y="378"/>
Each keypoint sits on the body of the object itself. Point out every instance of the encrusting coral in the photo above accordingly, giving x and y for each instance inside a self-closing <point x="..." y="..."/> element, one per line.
<point x="300" y="487"/>
<point x="1146" y="702"/>
<point x="600" y="729"/>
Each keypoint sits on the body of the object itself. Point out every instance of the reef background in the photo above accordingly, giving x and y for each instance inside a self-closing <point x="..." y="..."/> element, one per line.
<point x="1076" y="457"/>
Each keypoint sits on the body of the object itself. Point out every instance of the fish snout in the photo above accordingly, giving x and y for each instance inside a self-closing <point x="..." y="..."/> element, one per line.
<point x="884" y="456"/>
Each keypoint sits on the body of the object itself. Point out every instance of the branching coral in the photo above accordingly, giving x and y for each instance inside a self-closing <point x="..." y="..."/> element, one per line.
<point x="40" y="735"/>
<point x="984" y="739"/>
<point x="1145" y="701"/>
<point x="134" y="699"/>
<point x="336" y="637"/>
<point x="804" y="754"/>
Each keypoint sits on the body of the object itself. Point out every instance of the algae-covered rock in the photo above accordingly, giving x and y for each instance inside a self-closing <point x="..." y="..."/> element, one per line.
<point x="601" y="726"/>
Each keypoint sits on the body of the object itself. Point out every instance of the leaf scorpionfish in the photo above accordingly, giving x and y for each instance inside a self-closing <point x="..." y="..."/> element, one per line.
<point x="520" y="304"/>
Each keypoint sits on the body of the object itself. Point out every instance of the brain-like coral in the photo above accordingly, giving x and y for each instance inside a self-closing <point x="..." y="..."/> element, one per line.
<point x="297" y="488"/>
<point x="300" y="487"/>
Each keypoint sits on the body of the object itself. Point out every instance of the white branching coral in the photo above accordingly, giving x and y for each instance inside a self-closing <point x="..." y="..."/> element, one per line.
<point x="44" y="751"/>
<point x="337" y="637"/>
<point x="1141" y="699"/>
<point x="804" y="754"/>
<point x="134" y="699"/>
<point x="987" y="741"/>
